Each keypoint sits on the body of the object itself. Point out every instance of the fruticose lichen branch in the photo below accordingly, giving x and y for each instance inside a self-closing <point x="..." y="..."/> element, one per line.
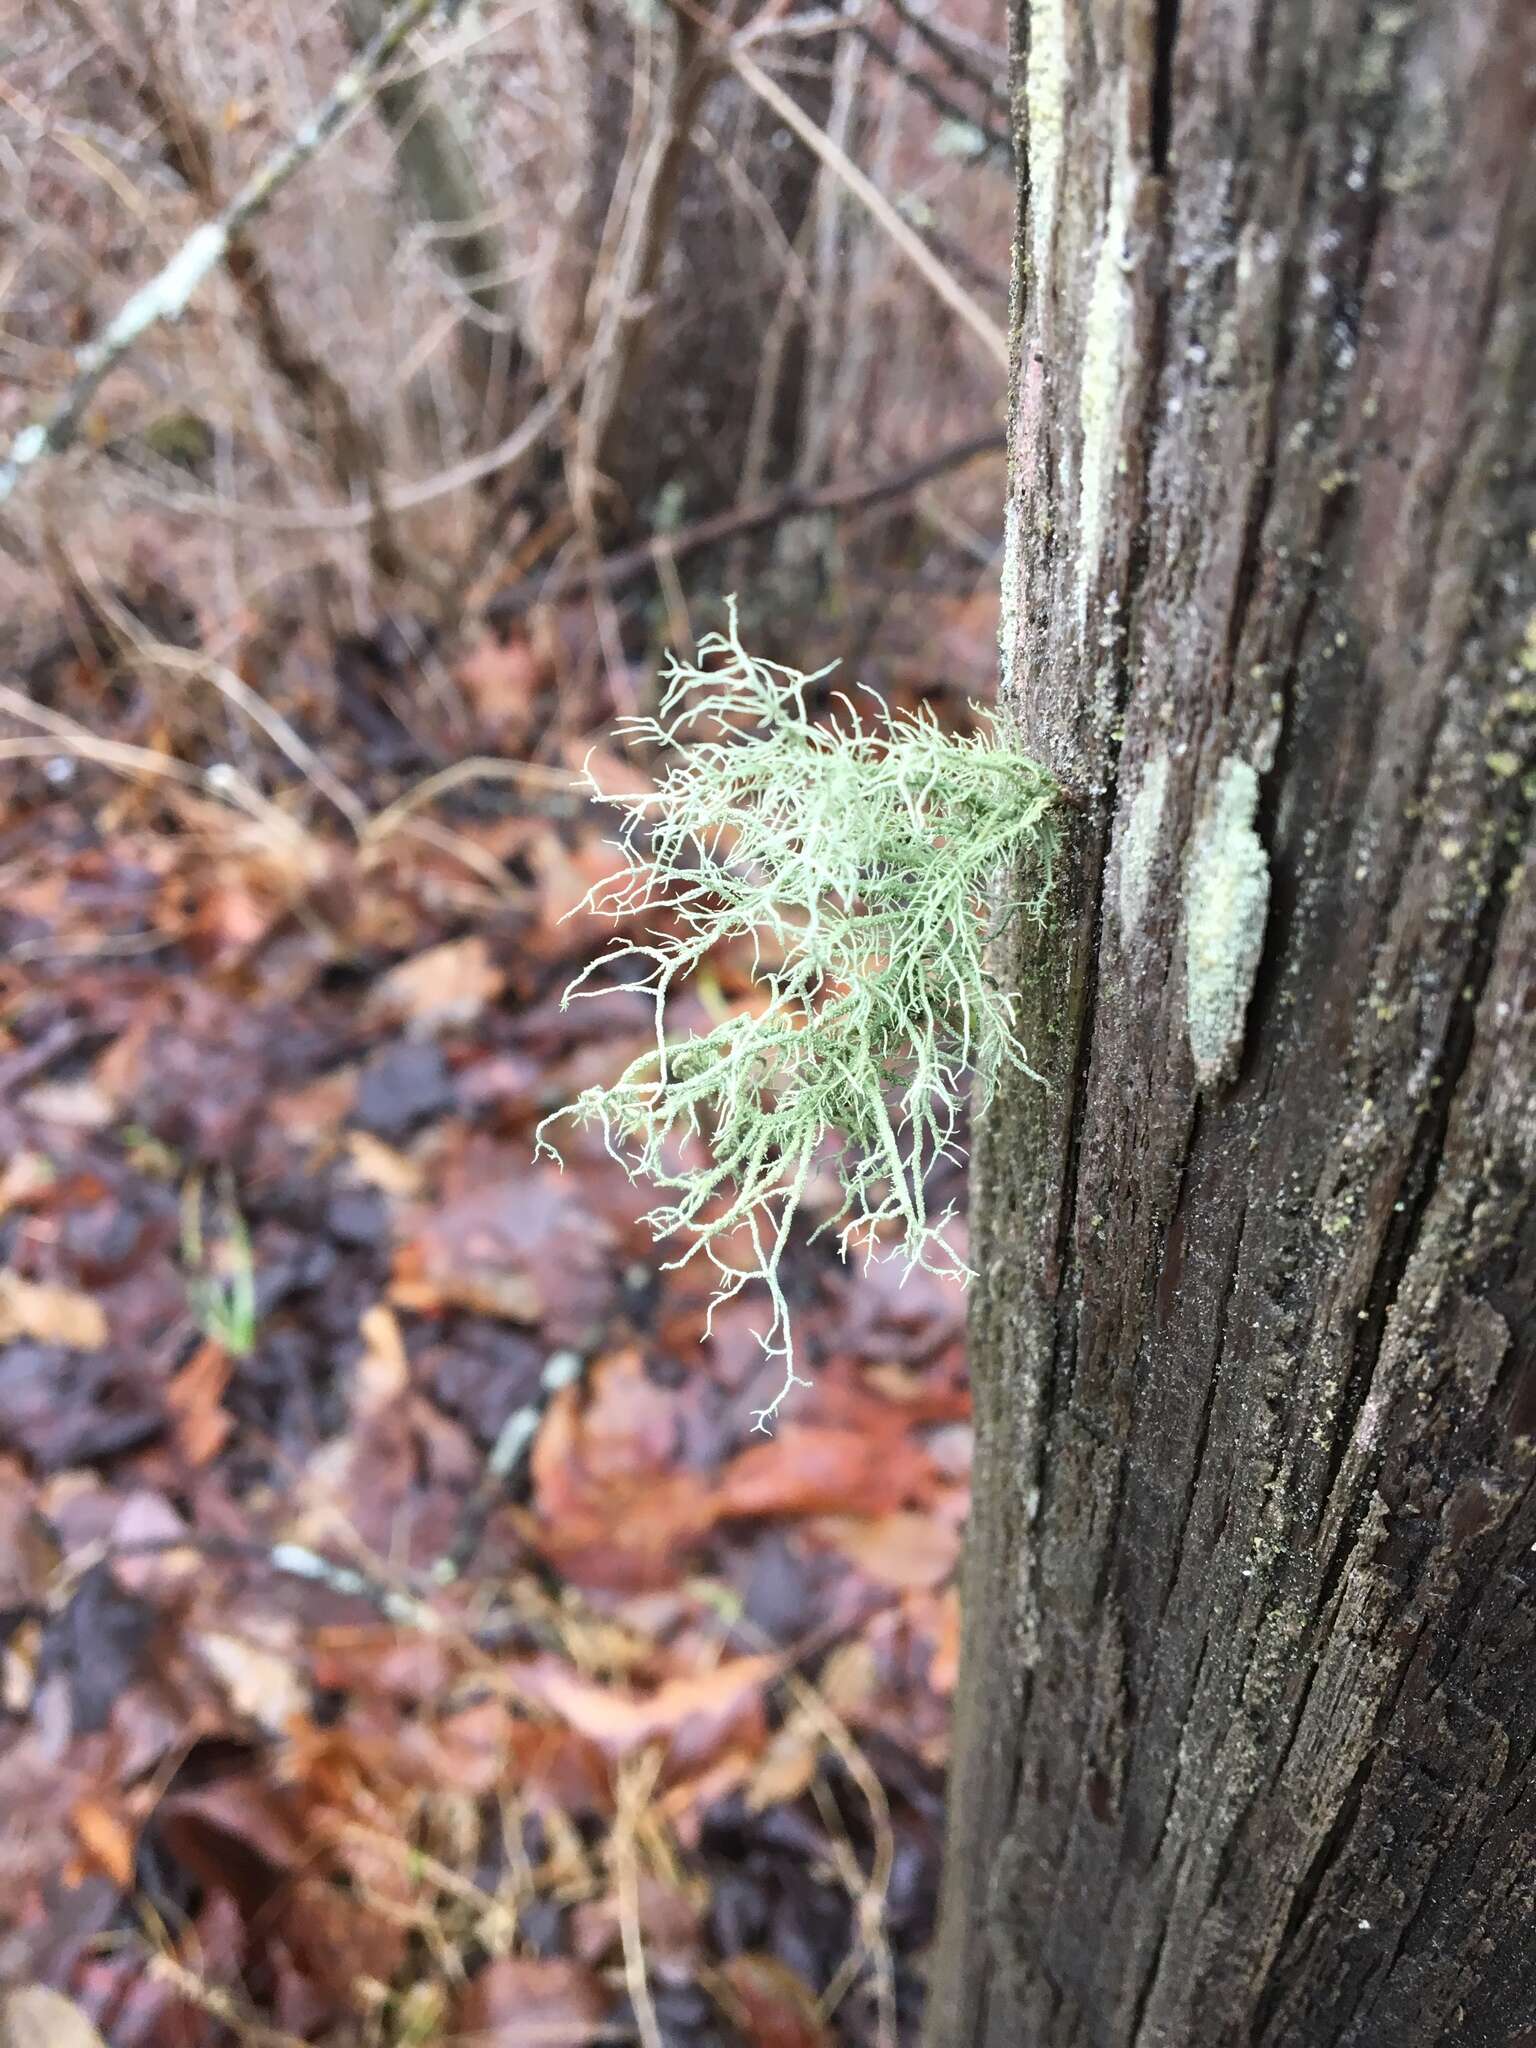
<point x="860" y="858"/>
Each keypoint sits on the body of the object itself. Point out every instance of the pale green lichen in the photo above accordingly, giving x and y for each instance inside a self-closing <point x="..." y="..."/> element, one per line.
<point x="1045" y="97"/>
<point x="1226" y="903"/>
<point x="1011" y="620"/>
<point x="856" y="858"/>
<point x="1139" y="848"/>
<point x="1106" y="350"/>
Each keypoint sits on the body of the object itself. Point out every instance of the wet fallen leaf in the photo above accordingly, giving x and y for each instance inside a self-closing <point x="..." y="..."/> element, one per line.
<point x="849" y="1680"/>
<point x="380" y="1166"/>
<point x="103" y="1641"/>
<point x="512" y="1242"/>
<point x="194" y="1397"/>
<point x="693" y="1716"/>
<point x="262" y="1683"/>
<point x="621" y="1521"/>
<point x="528" y="2002"/>
<point x="106" y="1839"/>
<point x="339" y="1939"/>
<point x="229" y="919"/>
<point x="671" y="1919"/>
<point x="443" y="987"/>
<point x="24" y="1176"/>
<point x="807" y="1469"/>
<point x="144" y="1522"/>
<point x="28" y="1552"/>
<point x="77" y="1105"/>
<point x="772" y="2006"/>
<point x="309" y="1115"/>
<point x="501" y="678"/>
<point x="236" y="1835"/>
<point x="382" y="1372"/>
<point x="50" y="1315"/>
<point x="425" y="1280"/>
<point x="787" y="1767"/>
<point x="906" y="1550"/>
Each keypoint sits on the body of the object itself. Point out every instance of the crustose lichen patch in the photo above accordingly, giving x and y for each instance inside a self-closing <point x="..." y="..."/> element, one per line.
<point x="1226" y="903"/>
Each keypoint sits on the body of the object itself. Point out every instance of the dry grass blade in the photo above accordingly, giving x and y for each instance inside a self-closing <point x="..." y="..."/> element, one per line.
<point x="187" y="662"/>
<point x="637" y="1781"/>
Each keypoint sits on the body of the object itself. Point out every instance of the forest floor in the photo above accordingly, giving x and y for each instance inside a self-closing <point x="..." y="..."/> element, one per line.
<point x="405" y="1636"/>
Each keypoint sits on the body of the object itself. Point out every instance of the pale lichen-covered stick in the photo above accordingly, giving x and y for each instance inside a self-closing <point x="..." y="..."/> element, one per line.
<point x="168" y="294"/>
<point x="856" y="857"/>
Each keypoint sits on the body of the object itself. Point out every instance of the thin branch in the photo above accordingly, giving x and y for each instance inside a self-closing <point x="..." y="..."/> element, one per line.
<point x="875" y="203"/>
<point x="794" y="503"/>
<point x="966" y="64"/>
<point x="346" y="440"/>
<point x="168" y="294"/>
<point x="405" y="498"/>
<point x="996" y="142"/>
<point x="637" y="1781"/>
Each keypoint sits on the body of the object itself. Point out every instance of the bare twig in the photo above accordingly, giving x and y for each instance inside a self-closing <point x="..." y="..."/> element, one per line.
<point x="167" y="295"/>
<point x="902" y="234"/>
<point x="996" y="142"/>
<point x="965" y="63"/>
<point x="187" y="661"/>
<point x="831" y="253"/>
<point x="344" y="437"/>
<point x="404" y="498"/>
<point x="794" y="503"/>
<point x="637" y="1781"/>
<point x="64" y="737"/>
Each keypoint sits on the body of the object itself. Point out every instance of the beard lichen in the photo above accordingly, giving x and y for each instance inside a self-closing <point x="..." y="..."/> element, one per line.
<point x="860" y="860"/>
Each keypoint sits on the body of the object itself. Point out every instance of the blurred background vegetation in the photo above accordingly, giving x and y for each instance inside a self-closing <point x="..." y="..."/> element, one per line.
<point x="570" y="313"/>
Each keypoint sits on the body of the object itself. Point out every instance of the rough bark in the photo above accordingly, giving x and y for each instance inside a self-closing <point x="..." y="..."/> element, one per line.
<point x="1247" y="1739"/>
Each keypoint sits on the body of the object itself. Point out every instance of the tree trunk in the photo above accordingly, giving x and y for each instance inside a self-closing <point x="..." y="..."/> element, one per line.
<point x="1245" y="1742"/>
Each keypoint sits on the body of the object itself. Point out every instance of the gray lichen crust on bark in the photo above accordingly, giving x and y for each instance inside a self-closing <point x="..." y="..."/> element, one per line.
<point x="1246" y="1744"/>
<point x="1226" y="901"/>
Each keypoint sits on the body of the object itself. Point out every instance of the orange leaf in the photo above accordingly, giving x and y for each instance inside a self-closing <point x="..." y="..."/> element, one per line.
<point x="501" y="678"/>
<point x="106" y="1839"/>
<point x="525" y="2002"/>
<point x="788" y="1766"/>
<point x="382" y="1373"/>
<point x="808" y="1469"/>
<point x="695" y="1717"/>
<point x="774" y="2008"/>
<point x="445" y="986"/>
<point x="194" y="1396"/>
<point x="909" y="1551"/>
